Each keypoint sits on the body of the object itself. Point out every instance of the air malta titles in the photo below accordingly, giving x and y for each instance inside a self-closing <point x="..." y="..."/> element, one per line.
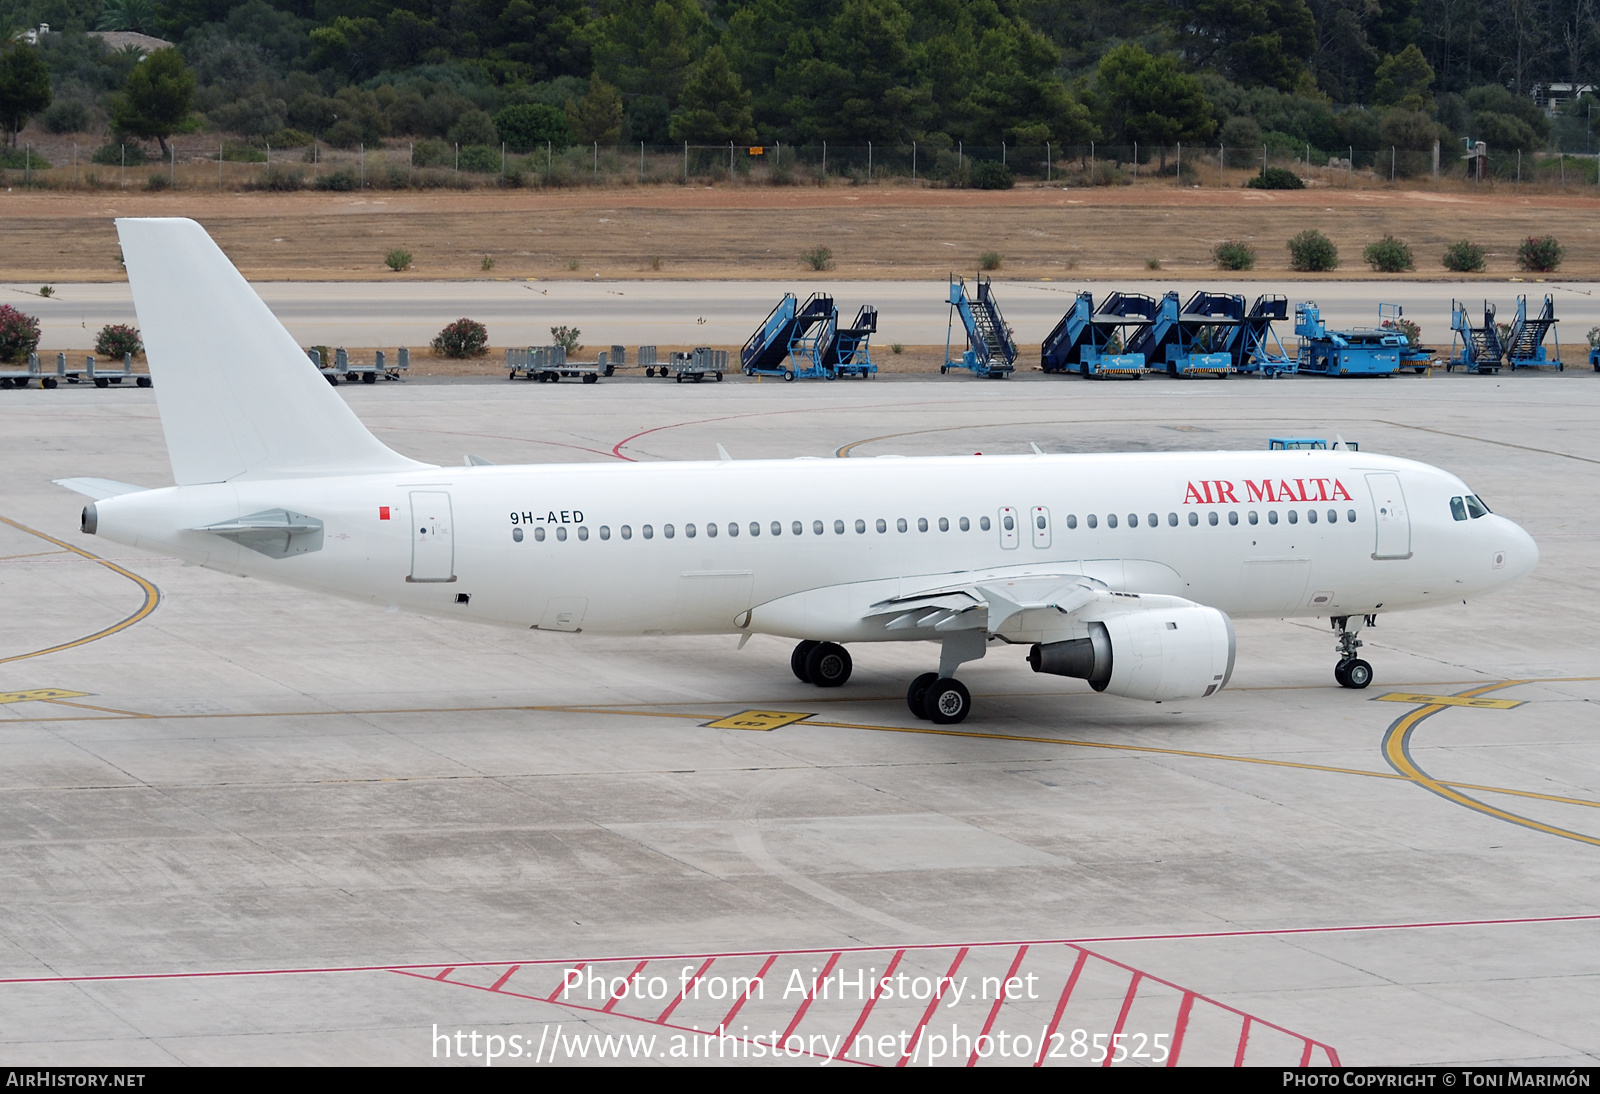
<point x="1220" y="491"/>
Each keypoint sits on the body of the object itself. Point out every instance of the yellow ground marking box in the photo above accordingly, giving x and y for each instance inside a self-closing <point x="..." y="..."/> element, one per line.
<point x="758" y="719"/>
<point x="1450" y="700"/>
<point x="37" y="694"/>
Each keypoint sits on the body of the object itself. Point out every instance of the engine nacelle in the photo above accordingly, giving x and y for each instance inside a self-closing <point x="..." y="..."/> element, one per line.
<point x="1153" y="653"/>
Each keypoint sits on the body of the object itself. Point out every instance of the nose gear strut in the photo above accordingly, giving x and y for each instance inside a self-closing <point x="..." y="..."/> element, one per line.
<point x="1351" y="671"/>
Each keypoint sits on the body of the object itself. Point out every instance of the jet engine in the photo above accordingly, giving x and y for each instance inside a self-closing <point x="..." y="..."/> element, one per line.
<point x="1152" y="653"/>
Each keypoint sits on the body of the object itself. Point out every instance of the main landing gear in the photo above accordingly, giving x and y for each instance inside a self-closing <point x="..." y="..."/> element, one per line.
<point x="1351" y="671"/>
<point x="936" y="697"/>
<point x="825" y="664"/>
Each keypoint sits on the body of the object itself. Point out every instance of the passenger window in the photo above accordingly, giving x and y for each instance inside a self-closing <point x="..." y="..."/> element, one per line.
<point x="1350" y="516"/>
<point x="861" y="527"/>
<point x="649" y="532"/>
<point x="1272" y="516"/>
<point x="944" y="524"/>
<point x="755" y="528"/>
<point x="688" y="531"/>
<point x="561" y="535"/>
<point x="1111" y="520"/>
<point x="666" y="530"/>
<point x="1254" y="519"/>
<point x="516" y="535"/>
<point x="583" y="533"/>
<point x="983" y="524"/>
<point x="733" y="529"/>
<point x="1476" y="508"/>
<point x="777" y="527"/>
<point x="838" y="527"/>
<point x="799" y="529"/>
<point x="1039" y="522"/>
<point x="1194" y="519"/>
<point x="1333" y="516"/>
<point x="605" y="531"/>
<point x="1091" y="519"/>
<point x="1155" y="521"/>
<point x="1458" y="509"/>
<point x="711" y="530"/>
<point x="966" y="525"/>
<point x="1133" y="520"/>
<point x="1211" y="517"/>
<point x="1072" y="520"/>
<point x="1233" y="518"/>
<point x="922" y="524"/>
<point x="538" y="534"/>
<point x="883" y="526"/>
<point x="816" y="528"/>
<point x="1172" y="520"/>
<point x="1294" y="516"/>
<point x="1311" y="515"/>
<point x="627" y="531"/>
<point x="1010" y="524"/>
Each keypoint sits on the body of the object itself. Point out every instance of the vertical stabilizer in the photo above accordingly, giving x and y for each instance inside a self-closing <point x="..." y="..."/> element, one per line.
<point x="239" y="399"/>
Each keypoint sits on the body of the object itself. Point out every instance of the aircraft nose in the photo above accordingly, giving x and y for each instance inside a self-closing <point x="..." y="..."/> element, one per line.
<point x="1521" y="554"/>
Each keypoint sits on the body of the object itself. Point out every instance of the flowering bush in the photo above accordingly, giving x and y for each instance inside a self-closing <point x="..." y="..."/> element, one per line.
<point x="1539" y="254"/>
<point x="19" y="334"/>
<point x="117" y="339"/>
<point x="463" y="338"/>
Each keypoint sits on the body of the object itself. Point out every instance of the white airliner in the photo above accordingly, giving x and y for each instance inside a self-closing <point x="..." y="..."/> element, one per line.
<point x="1122" y="570"/>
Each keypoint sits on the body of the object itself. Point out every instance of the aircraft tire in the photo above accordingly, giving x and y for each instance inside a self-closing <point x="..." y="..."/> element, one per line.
<point x="947" y="702"/>
<point x="918" y="692"/>
<point x="797" y="661"/>
<point x="828" y="665"/>
<point x="1357" y="674"/>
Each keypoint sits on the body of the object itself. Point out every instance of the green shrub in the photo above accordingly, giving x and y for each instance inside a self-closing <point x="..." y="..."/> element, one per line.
<point x="567" y="338"/>
<point x="1152" y="263"/>
<point x="337" y="180"/>
<point x="1539" y="254"/>
<point x="480" y="158"/>
<point x="289" y="138"/>
<point x="398" y="260"/>
<point x="19" y="334"/>
<point x="1463" y="256"/>
<point x="989" y="260"/>
<point x="158" y="181"/>
<point x="1594" y="337"/>
<point x="242" y="153"/>
<point x="1232" y="254"/>
<point x="991" y="176"/>
<point x="1389" y="255"/>
<point x="527" y="126"/>
<point x="1276" y="178"/>
<point x="17" y="159"/>
<point x="278" y="177"/>
<point x="117" y="339"/>
<point x="819" y="258"/>
<point x="463" y="338"/>
<point x="111" y="153"/>
<point x="1312" y="252"/>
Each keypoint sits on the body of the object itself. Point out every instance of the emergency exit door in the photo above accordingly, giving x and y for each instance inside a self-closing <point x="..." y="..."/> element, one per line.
<point x="433" y="543"/>
<point x="1389" y="511"/>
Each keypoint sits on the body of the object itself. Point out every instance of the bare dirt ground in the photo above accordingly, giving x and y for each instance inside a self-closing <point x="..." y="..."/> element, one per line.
<point x="763" y="232"/>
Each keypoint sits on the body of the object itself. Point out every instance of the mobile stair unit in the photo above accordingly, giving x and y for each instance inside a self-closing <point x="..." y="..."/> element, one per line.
<point x="1253" y="344"/>
<point x="1474" y="349"/>
<point x="1525" y="342"/>
<point x="1189" y="341"/>
<point x="792" y="341"/>
<point x="990" y="352"/>
<point x="1090" y="342"/>
<point x="850" y="351"/>
<point x="1360" y="351"/>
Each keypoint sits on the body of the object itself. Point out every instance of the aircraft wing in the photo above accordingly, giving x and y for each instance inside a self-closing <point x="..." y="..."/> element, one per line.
<point x="995" y="603"/>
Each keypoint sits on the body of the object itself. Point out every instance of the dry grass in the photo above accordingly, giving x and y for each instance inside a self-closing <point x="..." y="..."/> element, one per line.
<point x="761" y="232"/>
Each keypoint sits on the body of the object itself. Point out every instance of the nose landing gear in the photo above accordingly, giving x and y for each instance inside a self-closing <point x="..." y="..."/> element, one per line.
<point x="1351" y="671"/>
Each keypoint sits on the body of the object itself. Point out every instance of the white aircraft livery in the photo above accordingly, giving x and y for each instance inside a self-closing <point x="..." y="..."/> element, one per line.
<point x="1122" y="570"/>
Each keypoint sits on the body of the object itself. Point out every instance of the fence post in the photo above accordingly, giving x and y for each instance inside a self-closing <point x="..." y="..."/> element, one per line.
<point x="1222" y="166"/>
<point x="361" y="167"/>
<point x="1047" y="164"/>
<point x="27" y="163"/>
<point x="458" y="160"/>
<point x="172" y="169"/>
<point x="961" y="156"/>
<point x="914" y="161"/>
<point x="685" y="161"/>
<point x="124" y="165"/>
<point x="1391" y="163"/>
<point x="1350" y="167"/>
<point x="74" y="163"/>
<point x="641" y="161"/>
<point x="869" y="163"/>
<point x="1519" y="167"/>
<point x="824" y="159"/>
<point x="502" y="163"/>
<point x="1435" y="161"/>
<point x="596" y="161"/>
<point x="1136" y="159"/>
<point x="221" y="150"/>
<point x="1002" y="153"/>
<point x="730" y="161"/>
<point x="1180" y="163"/>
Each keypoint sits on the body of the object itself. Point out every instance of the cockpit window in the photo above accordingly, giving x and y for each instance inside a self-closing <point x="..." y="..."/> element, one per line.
<point x="1458" y="509"/>
<point x="1475" y="507"/>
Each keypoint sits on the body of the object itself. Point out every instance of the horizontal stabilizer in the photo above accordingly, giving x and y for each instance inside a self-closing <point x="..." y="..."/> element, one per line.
<point x="99" y="489"/>
<point x="238" y="398"/>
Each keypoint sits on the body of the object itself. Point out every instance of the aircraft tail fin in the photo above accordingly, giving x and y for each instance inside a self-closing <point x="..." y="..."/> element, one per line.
<point x="238" y="398"/>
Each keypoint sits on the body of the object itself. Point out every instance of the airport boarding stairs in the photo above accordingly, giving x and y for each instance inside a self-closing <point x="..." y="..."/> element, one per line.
<point x="1524" y="346"/>
<point x="1187" y="340"/>
<point x="1089" y="342"/>
<point x="1475" y="349"/>
<point x="806" y="342"/>
<point x="1252" y="343"/>
<point x="849" y="351"/>
<point x="990" y="351"/>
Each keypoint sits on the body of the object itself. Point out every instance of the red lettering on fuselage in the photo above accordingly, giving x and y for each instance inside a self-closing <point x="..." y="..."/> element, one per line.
<point x="1217" y="491"/>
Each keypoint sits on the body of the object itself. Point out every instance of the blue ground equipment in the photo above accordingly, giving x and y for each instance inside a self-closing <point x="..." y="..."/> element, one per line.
<point x="1475" y="349"/>
<point x="1291" y="444"/>
<point x="1190" y="341"/>
<point x="1253" y="344"/>
<point x="1525" y="343"/>
<point x="1090" y="342"/>
<point x="805" y="342"/>
<point x="1361" y="351"/>
<point x="990" y="352"/>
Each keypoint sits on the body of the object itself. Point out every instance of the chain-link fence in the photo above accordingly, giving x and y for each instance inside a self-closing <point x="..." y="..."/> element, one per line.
<point x="190" y="164"/>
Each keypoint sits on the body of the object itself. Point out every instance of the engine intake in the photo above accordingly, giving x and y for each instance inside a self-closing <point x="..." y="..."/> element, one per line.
<point x="1152" y="653"/>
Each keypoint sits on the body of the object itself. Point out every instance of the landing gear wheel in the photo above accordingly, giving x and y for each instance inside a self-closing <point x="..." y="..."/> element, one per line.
<point x="918" y="692"/>
<point x="1357" y="674"/>
<point x="828" y="665"/>
<point x="797" y="661"/>
<point x="947" y="702"/>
